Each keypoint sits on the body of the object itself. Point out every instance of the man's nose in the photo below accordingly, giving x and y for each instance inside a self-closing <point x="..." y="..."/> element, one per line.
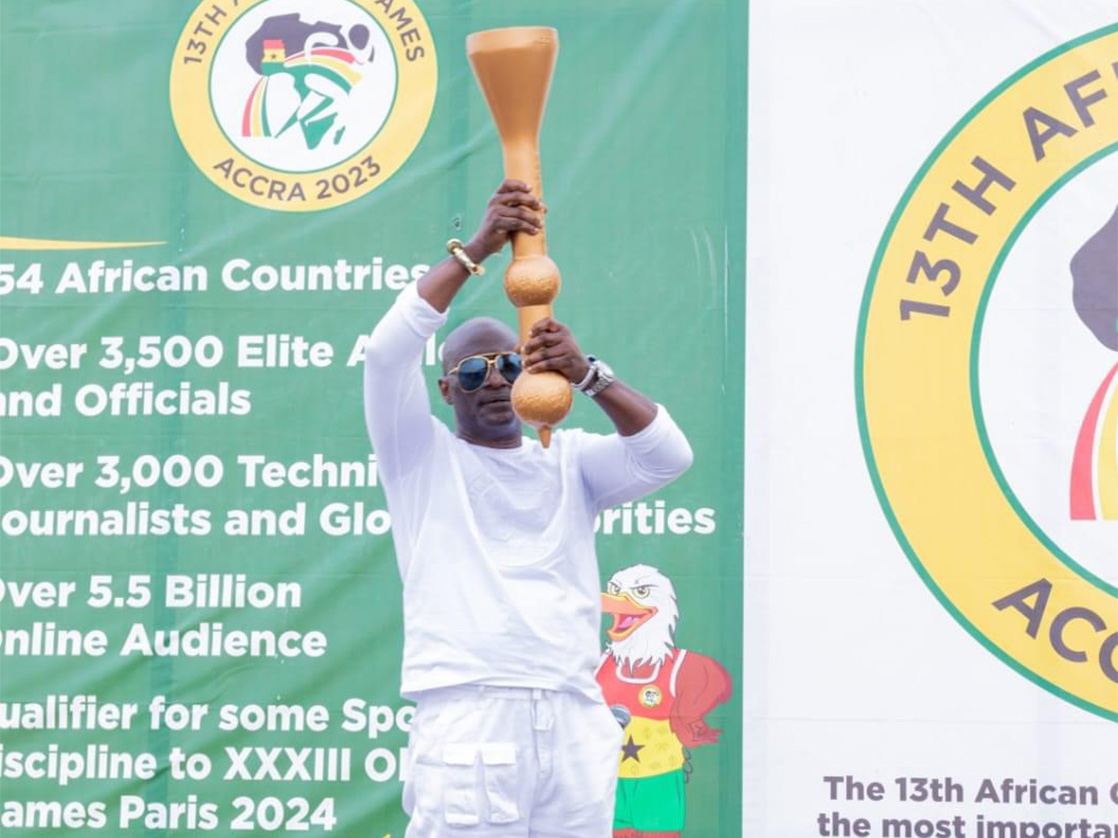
<point x="494" y="378"/>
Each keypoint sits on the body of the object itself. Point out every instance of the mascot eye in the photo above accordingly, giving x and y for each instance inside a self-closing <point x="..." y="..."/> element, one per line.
<point x="614" y="588"/>
<point x="642" y="592"/>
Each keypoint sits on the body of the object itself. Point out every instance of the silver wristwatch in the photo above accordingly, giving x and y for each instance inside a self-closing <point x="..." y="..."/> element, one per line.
<point x="600" y="378"/>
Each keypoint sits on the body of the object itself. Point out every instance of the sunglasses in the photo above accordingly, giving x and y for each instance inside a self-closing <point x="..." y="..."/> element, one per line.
<point x="473" y="371"/>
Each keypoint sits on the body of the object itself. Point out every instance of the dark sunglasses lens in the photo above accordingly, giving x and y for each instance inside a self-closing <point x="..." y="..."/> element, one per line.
<point x="509" y="366"/>
<point x="471" y="373"/>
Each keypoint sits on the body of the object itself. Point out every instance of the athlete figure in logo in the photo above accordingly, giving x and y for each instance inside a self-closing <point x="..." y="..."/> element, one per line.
<point x="662" y="694"/>
<point x="494" y="541"/>
<point x="319" y="66"/>
<point x="1094" y="472"/>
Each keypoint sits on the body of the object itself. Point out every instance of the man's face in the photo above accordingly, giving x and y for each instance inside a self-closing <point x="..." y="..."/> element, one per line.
<point x="483" y="415"/>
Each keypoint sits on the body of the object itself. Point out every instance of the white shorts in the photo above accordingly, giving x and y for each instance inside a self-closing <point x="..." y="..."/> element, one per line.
<point x="511" y="762"/>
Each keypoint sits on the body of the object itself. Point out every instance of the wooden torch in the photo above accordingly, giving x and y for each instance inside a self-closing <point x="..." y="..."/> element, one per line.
<point x="514" y="67"/>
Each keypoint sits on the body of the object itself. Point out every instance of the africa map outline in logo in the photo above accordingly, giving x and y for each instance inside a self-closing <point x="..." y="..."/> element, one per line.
<point x="917" y="376"/>
<point x="1093" y="491"/>
<point x="300" y="106"/>
<point x="316" y="113"/>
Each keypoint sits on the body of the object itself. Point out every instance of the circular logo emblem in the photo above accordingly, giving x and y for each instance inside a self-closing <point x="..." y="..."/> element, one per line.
<point x="651" y="696"/>
<point x="299" y="105"/>
<point x="987" y="371"/>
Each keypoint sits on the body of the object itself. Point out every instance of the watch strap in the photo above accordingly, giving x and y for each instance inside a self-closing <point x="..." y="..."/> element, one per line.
<point x="591" y="372"/>
<point x="602" y="379"/>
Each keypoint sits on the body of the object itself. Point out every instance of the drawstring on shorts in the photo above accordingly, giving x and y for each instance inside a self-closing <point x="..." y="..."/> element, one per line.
<point x="543" y="720"/>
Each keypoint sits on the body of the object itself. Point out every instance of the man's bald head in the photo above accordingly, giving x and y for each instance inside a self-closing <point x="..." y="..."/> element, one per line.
<point x="477" y="336"/>
<point x="483" y="415"/>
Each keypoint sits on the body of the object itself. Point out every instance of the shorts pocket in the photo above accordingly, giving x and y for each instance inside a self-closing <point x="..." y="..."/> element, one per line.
<point x="459" y="788"/>
<point x="501" y="781"/>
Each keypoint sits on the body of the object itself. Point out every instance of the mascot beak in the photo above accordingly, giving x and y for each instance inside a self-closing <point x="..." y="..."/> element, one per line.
<point x="628" y="615"/>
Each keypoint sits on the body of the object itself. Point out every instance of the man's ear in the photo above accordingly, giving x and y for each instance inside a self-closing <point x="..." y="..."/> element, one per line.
<point x="447" y="393"/>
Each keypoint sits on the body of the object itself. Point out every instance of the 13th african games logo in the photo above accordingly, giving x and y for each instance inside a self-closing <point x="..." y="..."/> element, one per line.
<point x="300" y="105"/>
<point x="986" y="374"/>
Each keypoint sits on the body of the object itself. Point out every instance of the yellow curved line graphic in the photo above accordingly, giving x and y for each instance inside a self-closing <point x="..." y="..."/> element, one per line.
<point x="1107" y="463"/>
<point x="18" y="243"/>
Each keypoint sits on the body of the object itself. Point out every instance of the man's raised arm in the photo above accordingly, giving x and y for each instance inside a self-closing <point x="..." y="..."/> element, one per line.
<point x="648" y="451"/>
<point x="397" y="407"/>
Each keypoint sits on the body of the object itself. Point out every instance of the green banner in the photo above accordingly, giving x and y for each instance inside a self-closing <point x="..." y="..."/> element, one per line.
<point x="204" y="210"/>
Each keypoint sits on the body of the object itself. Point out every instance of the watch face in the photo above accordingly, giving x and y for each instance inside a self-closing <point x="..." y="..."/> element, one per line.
<point x="603" y="378"/>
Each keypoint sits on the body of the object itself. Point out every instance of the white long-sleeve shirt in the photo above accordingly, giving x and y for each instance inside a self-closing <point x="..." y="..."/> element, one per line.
<point x="495" y="546"/>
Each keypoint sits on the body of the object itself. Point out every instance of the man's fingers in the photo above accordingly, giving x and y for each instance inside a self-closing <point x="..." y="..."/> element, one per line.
<point x="541" y="353"/>
<point x="545" y="364"/>
<point x="519" y="212"/>
<point x="559" y="356"/>
<point x="543" y="340"/>
<point x="512" y="185"/>
<point x="537" y="352"/>
<point x="515" y="199"/>
<point x="548" y="324"/>
<point x="515" y="225"/>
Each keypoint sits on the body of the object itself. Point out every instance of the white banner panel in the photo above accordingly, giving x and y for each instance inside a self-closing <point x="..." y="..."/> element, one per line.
<point x="931" y="615"/>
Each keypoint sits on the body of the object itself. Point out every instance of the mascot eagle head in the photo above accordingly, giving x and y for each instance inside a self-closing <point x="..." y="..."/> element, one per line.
<point x="642" y="602"/>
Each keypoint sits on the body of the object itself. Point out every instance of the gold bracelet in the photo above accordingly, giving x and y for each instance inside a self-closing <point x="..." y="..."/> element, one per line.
<point x="456" y="249"/>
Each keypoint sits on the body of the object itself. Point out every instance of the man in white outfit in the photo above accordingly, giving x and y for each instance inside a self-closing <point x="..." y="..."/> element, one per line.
<point x="494" y="540"/>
